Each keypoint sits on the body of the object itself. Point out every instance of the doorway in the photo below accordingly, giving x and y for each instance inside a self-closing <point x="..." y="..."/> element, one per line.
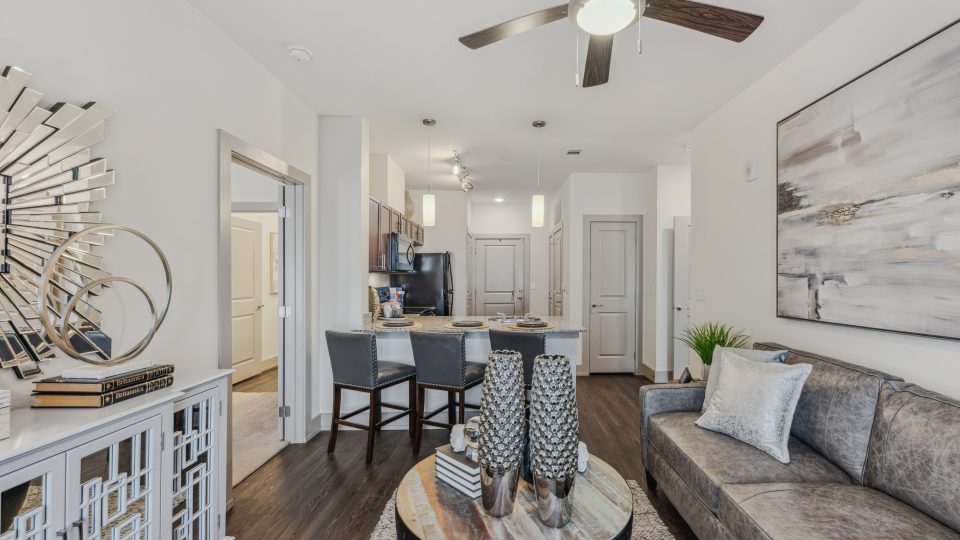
<point x="612" y="263"/>
<point x="556" y="291"/>
<point x="501" y="274"/>
<point x="681" y="293"/>
<point x="263" y="291"/>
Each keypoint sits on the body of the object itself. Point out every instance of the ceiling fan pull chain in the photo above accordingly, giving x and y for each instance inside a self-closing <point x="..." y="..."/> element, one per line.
<point x="576" y="65"/>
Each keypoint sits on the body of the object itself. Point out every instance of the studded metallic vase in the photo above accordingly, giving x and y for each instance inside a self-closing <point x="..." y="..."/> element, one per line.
<point x="554" y="438"/>
<point x="502" y="427"/>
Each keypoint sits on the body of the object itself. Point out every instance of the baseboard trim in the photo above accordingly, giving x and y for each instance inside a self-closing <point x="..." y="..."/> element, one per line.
<point x="648" y="372"/>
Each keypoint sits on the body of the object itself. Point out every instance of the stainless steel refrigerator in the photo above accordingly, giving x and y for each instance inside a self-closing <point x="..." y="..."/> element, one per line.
<point x="429" y="288"/>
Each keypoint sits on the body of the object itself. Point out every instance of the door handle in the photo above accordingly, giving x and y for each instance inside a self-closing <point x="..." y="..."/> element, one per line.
<point x="383" y="262"/>
<point x="79" y="526"/>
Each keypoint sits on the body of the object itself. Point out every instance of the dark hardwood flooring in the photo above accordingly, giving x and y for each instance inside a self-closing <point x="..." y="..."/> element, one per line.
<point x="304" y="493"/>
<point x="264" y="382"/>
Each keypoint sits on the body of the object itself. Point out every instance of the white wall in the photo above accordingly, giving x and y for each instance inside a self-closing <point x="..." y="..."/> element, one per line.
<point x="734" y="230"/>
<point x="449" y="234"/>
<point x="668" y="191"/>
<point x="249" y="186"/>
<point x="515" y="218"/>
<point x="388" y="182"/>
<point x="173" y="78"/>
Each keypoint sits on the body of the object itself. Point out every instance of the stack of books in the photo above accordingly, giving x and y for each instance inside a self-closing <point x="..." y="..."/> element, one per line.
<point x="100" y="387"/>
<point x="456" y="470"/>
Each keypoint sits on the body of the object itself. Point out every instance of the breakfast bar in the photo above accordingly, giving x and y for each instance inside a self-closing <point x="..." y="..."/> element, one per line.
<point x="393" y="344"/>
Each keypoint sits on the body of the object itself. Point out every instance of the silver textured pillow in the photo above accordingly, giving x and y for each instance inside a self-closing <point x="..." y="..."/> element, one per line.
<point x="754" y="355"/>
<point x="754" y="403"/>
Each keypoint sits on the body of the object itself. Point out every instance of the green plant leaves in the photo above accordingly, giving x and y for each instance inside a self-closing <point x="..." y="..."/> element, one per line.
<point x="704" y="337"/>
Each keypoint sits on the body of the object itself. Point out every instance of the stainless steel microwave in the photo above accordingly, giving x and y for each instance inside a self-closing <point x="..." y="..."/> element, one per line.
<point x="401" y="253"/>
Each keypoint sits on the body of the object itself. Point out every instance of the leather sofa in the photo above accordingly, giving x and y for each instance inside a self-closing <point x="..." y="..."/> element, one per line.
<point x="871" y="457"/>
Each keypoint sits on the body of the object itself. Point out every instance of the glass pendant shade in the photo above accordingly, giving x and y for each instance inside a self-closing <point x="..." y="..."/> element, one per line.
<point x="537" y="205"/>
<point x="429" y="210"/>
<point x="605" y="17"/>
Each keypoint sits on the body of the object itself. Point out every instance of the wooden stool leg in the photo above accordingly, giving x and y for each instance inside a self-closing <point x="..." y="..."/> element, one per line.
<point x="335" y="425"/>
<point x="463" y="406"/>
<point x="421" y="394"/>
<point x="379" y="409"/>
<point x="372" y="426"/>
<point x="412" y="405"/>
<point x="451" y="408"/>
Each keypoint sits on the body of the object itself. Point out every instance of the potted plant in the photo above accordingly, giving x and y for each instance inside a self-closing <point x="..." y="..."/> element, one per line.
<point x="705" y="337"/>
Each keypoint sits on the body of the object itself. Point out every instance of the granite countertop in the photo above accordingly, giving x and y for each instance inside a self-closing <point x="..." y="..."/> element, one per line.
<point x="558" y="325"/>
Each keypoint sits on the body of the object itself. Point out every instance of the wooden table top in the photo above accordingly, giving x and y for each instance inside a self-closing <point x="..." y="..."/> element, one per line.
<point x="431" y="509"/>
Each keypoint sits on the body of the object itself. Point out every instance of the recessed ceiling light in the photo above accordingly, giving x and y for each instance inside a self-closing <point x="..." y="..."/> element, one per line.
<point x="299" y="53"/>
<point x="498" y="200"/>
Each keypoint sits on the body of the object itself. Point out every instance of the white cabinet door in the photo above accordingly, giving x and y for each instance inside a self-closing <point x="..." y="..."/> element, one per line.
<point x="196" y="465"/>
<point x="33" y="505"/>
<point x="114" y="485"/>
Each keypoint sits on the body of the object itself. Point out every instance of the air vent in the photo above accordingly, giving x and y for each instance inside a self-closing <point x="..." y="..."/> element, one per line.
<point x="574" y="152"/>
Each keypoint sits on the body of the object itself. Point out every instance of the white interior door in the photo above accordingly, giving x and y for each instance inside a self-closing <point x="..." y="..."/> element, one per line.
<point x="612" y="333"/>
<point x="555" y="295"/>
<point x="681" y="291"/>
<point x="246" y="305"/>
<point x="500" y="276"/>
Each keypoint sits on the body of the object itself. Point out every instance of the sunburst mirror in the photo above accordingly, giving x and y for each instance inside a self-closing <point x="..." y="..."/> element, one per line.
<point x="50" y="273"/>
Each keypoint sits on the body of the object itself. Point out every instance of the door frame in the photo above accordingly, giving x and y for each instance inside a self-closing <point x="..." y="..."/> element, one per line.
<point x="588" y="219"/>
<point x="294" y="288"/>
<point x="525" y="238"/>
<point x="558" y="228"/>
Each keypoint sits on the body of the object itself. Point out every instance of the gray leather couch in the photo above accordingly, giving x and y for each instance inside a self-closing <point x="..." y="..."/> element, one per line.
<point x="872" y="457"/>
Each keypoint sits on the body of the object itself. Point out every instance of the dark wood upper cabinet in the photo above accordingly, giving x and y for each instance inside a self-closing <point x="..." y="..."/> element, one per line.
<point x="396" y="222"/>
<point x="376" y="262"/>
<point x="385" y="234"/>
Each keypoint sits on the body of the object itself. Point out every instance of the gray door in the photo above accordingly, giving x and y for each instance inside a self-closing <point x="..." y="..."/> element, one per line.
<point x="613" y="327"/>
<point x="500" y="276"/>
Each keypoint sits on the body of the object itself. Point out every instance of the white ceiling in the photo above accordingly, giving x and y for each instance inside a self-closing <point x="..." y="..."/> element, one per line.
<point x="396" y="62"/>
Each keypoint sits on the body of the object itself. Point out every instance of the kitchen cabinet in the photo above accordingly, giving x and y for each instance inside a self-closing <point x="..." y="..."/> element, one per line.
<point x="383" y="220"/>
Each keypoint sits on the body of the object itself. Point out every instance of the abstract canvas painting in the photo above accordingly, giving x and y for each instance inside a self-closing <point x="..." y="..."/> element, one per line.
<point x="868" y="198"/>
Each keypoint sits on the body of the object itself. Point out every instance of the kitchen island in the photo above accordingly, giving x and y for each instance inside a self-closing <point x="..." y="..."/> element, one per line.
<point x="393" y="344"/>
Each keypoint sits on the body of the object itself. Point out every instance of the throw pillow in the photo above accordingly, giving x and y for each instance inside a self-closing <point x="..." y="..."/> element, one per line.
<point x="716" y="366"/>
<point x="754" y="403"/>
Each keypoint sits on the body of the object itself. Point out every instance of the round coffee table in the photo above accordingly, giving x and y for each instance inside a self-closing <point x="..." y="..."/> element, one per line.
<point x="429" y="509"/>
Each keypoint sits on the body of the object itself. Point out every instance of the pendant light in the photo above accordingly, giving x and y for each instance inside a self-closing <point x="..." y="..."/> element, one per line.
<point x="537" y="202"/>
<point x="429" y="201"/>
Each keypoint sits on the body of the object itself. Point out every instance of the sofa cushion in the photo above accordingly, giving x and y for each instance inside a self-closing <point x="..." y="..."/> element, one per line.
<point x="836" y="409"/>
<point x="822" y="511"/>
<point x="705" y="459"/>
<point x="915" y="450"/>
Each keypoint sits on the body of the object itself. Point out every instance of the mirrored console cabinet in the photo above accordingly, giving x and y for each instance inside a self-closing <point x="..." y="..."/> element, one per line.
<point x="152" y="468"/>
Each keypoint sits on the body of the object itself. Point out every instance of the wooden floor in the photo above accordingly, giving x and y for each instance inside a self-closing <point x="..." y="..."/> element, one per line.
<point x="304" y="493"/>
<point x="264" y="382"/>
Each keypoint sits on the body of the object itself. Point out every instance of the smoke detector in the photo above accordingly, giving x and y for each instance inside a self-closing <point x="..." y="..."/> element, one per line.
<point x="299" y="53"/>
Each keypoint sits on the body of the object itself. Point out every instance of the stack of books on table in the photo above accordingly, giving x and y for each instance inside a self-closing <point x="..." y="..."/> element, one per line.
<point x="456" y="470"/>
<point x="99" y="386"/>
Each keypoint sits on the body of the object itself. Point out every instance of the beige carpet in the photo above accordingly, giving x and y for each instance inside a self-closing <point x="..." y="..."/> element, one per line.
<point x="256" y="437"/>
<point x="647" y="525"/>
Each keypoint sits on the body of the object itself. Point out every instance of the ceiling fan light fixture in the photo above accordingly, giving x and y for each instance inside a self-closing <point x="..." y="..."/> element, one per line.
<point x="604" y="17"/>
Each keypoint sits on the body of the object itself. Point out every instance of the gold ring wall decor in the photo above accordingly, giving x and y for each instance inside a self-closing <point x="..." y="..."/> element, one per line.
<point x="50" y="231"/>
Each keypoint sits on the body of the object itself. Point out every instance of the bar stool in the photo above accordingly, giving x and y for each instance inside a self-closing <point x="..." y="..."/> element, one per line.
<point x="441" y="361"/>
<point x="528" y="344"/>
<point x="353" y="357"/>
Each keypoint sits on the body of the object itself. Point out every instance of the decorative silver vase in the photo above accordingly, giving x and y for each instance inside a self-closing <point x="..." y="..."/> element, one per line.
<point x="502" y="428"/>
<point x="554" y="438"/>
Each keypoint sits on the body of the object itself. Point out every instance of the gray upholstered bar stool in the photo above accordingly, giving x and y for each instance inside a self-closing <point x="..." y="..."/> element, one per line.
<point x="441" y="360"/>
<point x="353" y="357"/>
<point x="530" y="345"/>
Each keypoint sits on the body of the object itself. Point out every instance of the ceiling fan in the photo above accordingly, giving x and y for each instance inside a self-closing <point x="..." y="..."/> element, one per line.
<point x="604" y="18"/>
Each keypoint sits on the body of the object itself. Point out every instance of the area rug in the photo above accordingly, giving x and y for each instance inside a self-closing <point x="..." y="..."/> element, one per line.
<point x="647" y="525"/>
<point x="255" y="433"/>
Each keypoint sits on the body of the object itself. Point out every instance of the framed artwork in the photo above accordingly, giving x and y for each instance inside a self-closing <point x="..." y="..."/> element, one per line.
<point x="274" y="263"/>
<point x="868" y="198"/>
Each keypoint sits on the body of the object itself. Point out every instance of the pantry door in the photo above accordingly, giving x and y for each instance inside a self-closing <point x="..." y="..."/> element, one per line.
<point x="501" y="276"/>
<point x="613" y="264"/>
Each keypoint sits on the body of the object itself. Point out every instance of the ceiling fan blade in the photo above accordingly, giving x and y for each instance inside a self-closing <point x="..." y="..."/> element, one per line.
<point x="515" y="27"/>
<point x="716" y="21"/>
<point x="597" y="70"/>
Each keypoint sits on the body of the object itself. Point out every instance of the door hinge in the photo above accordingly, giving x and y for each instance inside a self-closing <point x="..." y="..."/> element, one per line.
<point x="163" y="440"/>
<point x="220" y="403"/>
<point x="285" y="411"/>
<point x="285" y="213"/>
<point x="218" y="522"/>
<point x="285" y="311"/>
